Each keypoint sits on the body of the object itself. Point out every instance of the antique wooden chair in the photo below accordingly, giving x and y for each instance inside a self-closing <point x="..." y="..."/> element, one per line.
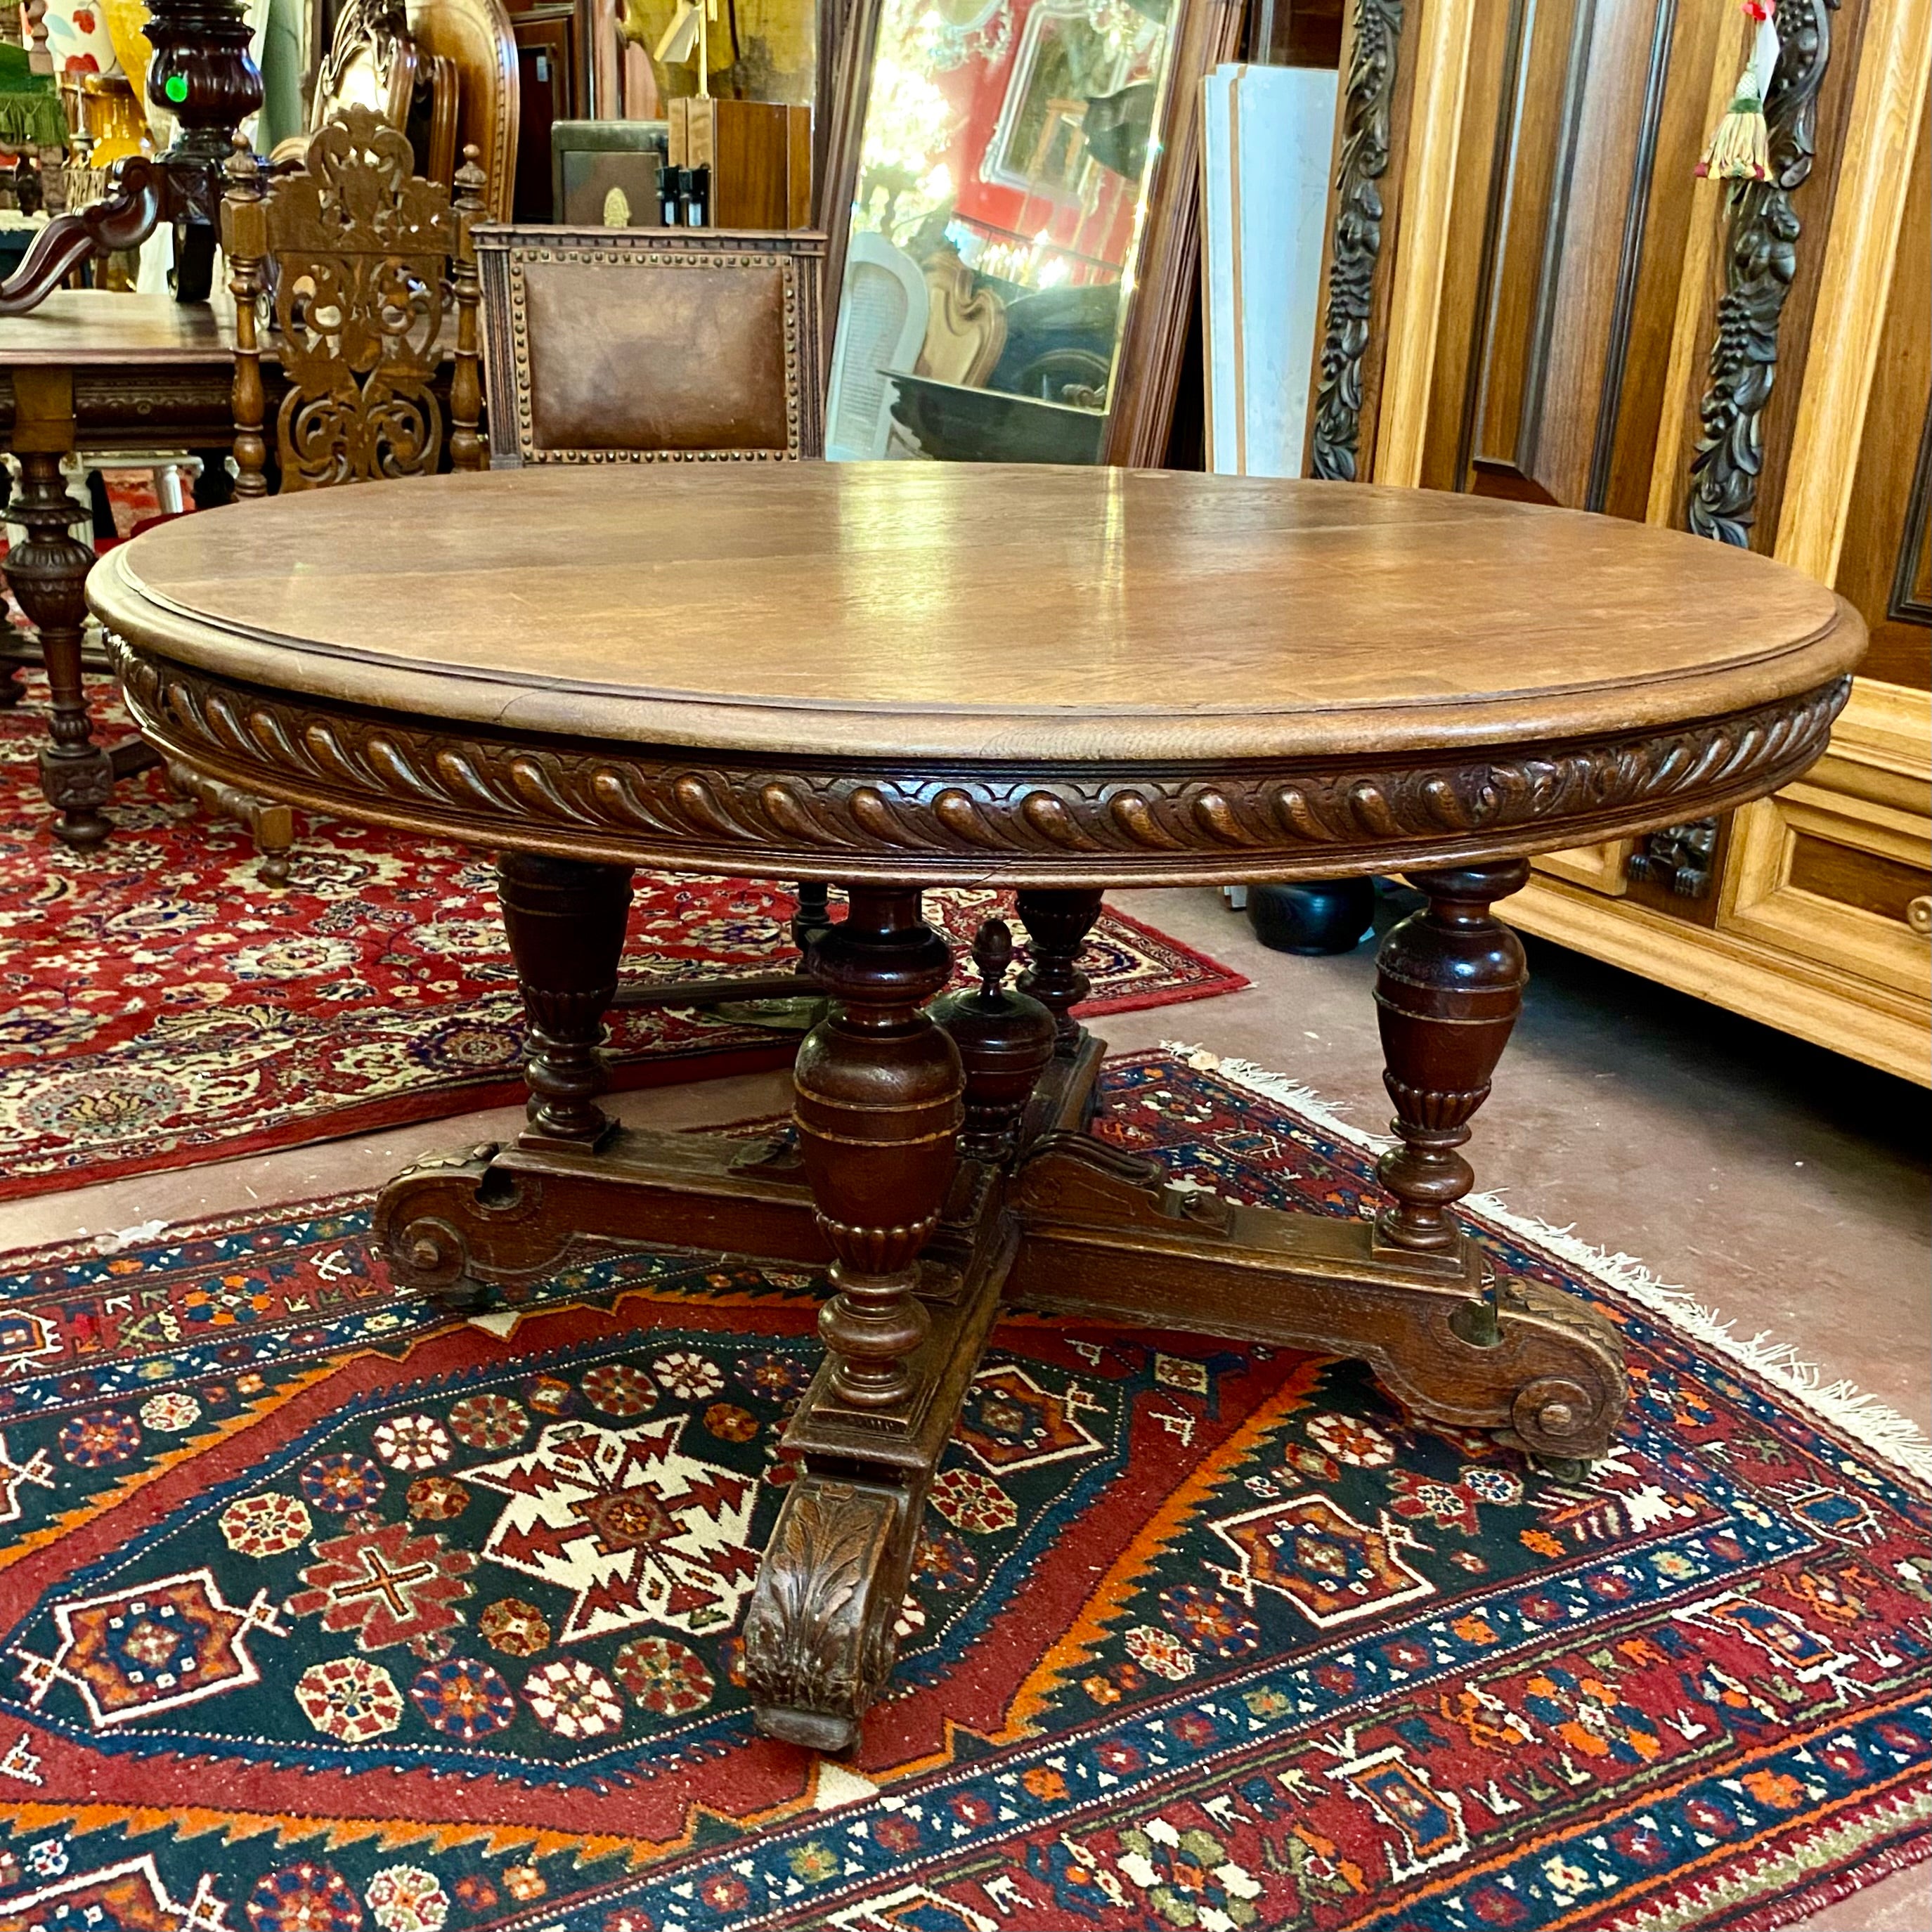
<point x="441" y="71"/>
<point x="884" y="311"/>
<point x="360" y="263"/>
<point x="656" y="345"/>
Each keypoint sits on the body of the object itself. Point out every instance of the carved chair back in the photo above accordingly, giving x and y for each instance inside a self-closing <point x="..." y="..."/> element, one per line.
<point x="361" y="263"/>
<point x="649" y="345"/>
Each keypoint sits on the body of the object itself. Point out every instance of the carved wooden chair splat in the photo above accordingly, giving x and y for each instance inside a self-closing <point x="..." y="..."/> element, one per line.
<point x="360" y="262"/>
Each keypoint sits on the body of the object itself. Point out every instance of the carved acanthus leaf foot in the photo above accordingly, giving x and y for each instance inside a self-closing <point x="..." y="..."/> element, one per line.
<point x="818" y="1633"/>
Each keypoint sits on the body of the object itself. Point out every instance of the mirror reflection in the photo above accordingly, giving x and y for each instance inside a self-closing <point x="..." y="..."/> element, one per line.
<point x="1001" y="193"/>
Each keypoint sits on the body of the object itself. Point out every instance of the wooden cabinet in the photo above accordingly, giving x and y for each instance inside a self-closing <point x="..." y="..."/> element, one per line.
<point x="1550" y="306"/>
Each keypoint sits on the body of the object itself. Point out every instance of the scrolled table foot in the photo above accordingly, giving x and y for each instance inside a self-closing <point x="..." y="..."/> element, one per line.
<point x="1568" y="1410"/>
<point x="1534" y="1366"/>
<point x="818" y="1631"/>
<point x="452" y="1227"/>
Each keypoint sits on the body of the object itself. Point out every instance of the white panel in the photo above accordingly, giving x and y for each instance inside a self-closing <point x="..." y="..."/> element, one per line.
<point x="1266" y="137"/>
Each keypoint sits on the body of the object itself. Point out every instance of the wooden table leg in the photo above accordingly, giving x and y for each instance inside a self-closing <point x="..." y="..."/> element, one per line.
<point x="1057" y="923"/>
<point x="48" y="574"/>
<point x="565" y="921"/>
<point x="1104" y="1235"/>
<point x="879" y="1104"/>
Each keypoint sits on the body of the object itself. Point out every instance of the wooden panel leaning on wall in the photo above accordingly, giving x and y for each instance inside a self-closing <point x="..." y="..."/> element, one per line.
<point x="1527" y="294"/>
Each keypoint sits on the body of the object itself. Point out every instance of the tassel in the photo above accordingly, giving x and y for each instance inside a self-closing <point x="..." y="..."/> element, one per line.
<point x="1740" y="148"/>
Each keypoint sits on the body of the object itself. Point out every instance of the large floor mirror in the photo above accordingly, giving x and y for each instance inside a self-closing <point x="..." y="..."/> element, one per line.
<point x="1009" y="190"/>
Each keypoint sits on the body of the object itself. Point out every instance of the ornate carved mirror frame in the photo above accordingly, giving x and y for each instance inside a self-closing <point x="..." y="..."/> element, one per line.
<point x="1162" y="275"/>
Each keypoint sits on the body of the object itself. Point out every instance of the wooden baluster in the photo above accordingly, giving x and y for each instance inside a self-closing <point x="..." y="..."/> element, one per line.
<point x="466" y="448"/>
<point x="565" y="920"/>
<point x="1057" y="923"/>
<point x="245" y="238"/>
<point x="1449" y="986"/>
<point x="878" y="1090"/>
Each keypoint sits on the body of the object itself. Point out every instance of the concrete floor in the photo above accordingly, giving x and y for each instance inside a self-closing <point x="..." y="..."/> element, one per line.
<point x="1787" y="1187"/>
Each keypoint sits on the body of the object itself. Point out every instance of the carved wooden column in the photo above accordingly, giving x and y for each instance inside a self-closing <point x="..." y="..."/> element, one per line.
<point x="1344" y="392"/>
<point x="1449" y="986"/>
<point x="565" y="920"/>
<point x="1057" y="923"/>
<point x="1761" y="264"/>
<point x="878" y="1110"/>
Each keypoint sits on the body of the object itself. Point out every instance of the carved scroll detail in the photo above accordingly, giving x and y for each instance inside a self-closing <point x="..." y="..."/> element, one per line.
<point x="849" y="818"/>
<point x="1357" y="244"/>
<point x="1762" y="260"/>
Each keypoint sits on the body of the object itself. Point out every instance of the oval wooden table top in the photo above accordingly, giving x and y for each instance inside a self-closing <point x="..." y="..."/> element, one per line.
<point x="972" y="671"/>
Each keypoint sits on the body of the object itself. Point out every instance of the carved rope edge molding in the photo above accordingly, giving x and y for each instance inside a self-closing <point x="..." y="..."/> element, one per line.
<point x="1356" y="245"/>
<point x="1760" y="264"/>
<point x="863" y="819"/>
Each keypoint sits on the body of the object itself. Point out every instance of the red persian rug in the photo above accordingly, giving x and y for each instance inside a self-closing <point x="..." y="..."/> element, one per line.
<point x="164" y="1009"/>
<point x="308" y="1628"/>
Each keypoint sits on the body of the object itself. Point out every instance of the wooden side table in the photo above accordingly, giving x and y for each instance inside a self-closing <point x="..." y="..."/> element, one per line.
<point x="93" y="369"/>
<point x="892" y="676"/>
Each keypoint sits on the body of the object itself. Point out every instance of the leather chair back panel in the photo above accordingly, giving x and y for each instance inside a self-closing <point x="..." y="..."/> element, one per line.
<point x="690" y="359"/>
<point x="651" y="345"/>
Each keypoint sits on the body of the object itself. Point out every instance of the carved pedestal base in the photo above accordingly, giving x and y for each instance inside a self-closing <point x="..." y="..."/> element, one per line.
<point x="926" y="1246"/>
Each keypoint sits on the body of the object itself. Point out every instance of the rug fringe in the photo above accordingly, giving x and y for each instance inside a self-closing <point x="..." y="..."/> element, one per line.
<point x="1841" y="1404"/>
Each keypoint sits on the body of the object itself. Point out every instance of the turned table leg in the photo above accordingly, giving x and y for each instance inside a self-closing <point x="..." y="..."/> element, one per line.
<point x="878" y="1107"/>
<point x="1448" y="988"/>
<point x="1450" y="980"/>
<point x="566" y="921"/>
<point x="1057" y="923"/>
<point x="48" y="573"/>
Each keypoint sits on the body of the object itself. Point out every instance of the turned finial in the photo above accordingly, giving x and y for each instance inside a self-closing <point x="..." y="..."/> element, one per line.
<point x="471" y="180"/>
<point x="241" y="169"/>
<point x="993" y="954"/>
<point x="1005" y="1040"/>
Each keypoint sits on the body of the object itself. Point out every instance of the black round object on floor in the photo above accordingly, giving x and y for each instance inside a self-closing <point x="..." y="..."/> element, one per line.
<point x="1318" y="916"/>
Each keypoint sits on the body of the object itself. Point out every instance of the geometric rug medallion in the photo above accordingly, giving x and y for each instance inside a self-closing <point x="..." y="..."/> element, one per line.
<point x="323" y="1611"/>
<point x="164" y="1008"/>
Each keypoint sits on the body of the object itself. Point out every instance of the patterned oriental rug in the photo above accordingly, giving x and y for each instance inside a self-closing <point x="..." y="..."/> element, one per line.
<point x="321" y="1612"/>
<point x="164" y="1009"/>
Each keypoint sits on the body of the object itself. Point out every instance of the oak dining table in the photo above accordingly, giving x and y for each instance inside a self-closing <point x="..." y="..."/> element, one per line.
<point x="891" y="676"/>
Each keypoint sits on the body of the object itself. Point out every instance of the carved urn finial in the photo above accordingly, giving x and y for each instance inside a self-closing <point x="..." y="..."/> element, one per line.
<point x="1005" y="1041"/>
<point x="242" y="171"/>
<point x="470" y="180"/>
<point x="993" y="954"/>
